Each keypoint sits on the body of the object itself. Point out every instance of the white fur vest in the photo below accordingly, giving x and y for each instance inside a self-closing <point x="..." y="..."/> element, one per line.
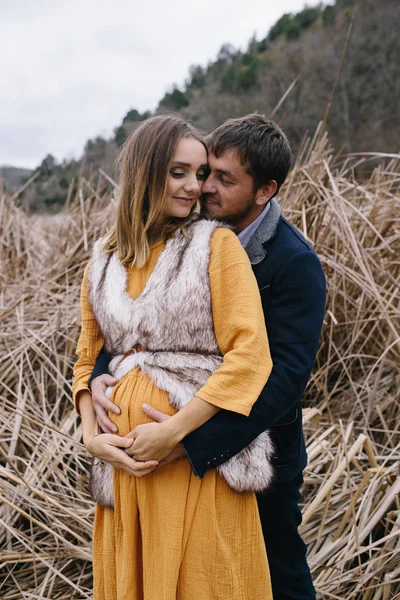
<point x="172" y="322"/>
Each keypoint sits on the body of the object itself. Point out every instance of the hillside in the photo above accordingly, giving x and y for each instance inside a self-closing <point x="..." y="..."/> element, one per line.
<point x="305" y="51"/>
<point x="10" y="177"/>
<point x="342" y="55"/>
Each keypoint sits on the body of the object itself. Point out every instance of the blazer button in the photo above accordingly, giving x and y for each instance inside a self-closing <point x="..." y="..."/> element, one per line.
<point x="208" y="464"/>
<point x="222" y="456"/>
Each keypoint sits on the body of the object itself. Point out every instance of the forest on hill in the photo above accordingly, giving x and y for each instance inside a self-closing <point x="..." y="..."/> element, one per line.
<point x="339" y="61"/>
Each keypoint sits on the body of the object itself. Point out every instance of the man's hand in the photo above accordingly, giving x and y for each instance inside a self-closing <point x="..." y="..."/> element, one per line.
<point x="177" y="452"/>
<point x="153" y="441"/>
<point x="102" y="404"/>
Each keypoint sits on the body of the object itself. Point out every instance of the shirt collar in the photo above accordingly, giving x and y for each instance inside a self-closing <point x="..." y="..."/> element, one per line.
<point x="245" y="235"/>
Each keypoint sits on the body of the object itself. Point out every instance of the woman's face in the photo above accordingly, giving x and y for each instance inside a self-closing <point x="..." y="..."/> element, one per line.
<point x="186" y="176"/>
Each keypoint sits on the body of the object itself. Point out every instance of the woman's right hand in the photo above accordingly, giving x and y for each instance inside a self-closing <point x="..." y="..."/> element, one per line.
<point x="111" y="448"/>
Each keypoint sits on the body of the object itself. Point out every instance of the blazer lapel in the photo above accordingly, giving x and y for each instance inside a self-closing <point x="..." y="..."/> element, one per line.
<point x="264" y="233"/>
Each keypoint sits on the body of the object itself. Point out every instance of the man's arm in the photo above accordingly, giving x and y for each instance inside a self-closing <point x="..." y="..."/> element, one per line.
<point x="101" y="365"/>
<point x="294" y="319"/>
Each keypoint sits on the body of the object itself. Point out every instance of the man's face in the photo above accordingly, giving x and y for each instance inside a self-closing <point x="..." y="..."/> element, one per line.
<point x="228" y="193"/>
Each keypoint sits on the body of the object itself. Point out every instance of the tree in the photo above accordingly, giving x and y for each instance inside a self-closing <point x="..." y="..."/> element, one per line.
<point x="306" y="17"/>
<point x="226" y="53"/>
<point x="293" y="30"/>
<point x="252" y="46"/>
<point x="134" y="116"/>
<point x="228" y="79"/>
<point x="119" y="135"/>
<point x="329" y="15"/>
<point x="280" y="27"/>
<point x="197" y="77"/>
<point x="175" y="100"/>
<point x="262" y="45"/>
<point x="48" y="164"/>
<point x="248" y="74"/>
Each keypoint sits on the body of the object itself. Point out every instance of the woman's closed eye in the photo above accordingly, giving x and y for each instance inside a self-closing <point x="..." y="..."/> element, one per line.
<point x="201" y="175"/>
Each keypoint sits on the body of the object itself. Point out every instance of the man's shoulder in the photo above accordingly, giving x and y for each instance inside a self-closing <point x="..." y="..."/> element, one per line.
<point x="289" y="239"/>
<point x="288" y="246"/>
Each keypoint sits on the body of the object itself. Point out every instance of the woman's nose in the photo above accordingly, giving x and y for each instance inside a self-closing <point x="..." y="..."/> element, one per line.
<point x="192" y="184"/>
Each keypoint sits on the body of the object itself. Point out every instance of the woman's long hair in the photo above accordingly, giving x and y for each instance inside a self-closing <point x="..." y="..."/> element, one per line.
<point x="145" y="162"/>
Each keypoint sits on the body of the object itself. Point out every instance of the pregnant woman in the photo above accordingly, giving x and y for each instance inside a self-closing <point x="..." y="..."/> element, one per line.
<point x="173" y="299"/>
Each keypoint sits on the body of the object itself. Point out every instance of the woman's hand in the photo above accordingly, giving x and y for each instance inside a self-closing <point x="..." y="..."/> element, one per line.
<point x="111" y="448"/>
<point x="153" y="441"/>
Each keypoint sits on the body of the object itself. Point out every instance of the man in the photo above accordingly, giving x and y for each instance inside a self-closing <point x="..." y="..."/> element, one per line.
<point x="249" y="159"/>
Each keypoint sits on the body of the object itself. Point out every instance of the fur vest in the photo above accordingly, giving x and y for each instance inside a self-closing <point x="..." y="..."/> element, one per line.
<point x="172" y="322"/>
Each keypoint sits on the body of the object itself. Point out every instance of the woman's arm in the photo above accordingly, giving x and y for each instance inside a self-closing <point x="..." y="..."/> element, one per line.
<point x="89" y="344"/>
<point x="154" y="441"/>
<point x="108" y="447"/>
<point x="90" y="426"/>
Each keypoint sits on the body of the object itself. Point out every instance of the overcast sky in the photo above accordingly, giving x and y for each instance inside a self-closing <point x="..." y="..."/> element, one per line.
<point x="71" y="70"/>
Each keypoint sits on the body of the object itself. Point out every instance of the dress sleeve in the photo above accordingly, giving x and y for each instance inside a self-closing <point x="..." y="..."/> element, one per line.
<point x="89" y="344"/>
<point x="239" y="326"/>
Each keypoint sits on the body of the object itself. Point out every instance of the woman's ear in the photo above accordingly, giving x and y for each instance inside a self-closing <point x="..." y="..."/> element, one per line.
<point x="265" y="193"/>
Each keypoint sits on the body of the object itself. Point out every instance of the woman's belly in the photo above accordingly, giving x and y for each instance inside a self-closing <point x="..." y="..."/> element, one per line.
<point x="134" y="390"/>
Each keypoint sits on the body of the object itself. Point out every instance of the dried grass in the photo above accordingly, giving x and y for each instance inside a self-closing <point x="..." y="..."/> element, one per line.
<point x="351" y="493"/>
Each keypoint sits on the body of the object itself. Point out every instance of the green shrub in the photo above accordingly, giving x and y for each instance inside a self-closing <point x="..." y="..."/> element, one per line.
<point x="262" y="45"/>
<point x="175" y="100"/>
<point x="280" y="26"/>
<point x="63" y="182"/>
<point x="247" y="78"/>
<point x="293" y="25"/>
<point x="329" y="15"/>
<point x="47" y="165"/>
<point x="119" y="135"/>
<point x="293" y="31"/>
<point x="241" y="75"/>
<point x="134" y="116"/>
<point x="228" y="79"/>
<point x="197" y="77"/>
<point x="306" y="18"/>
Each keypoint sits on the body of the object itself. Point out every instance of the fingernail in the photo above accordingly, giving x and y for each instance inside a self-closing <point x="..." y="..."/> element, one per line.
<point x="145" y="406"/>
<point x="114" y="429"/>
<point x="118" y="411"/>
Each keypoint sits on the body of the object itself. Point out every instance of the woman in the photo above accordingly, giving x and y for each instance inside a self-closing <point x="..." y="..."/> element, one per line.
<point x="174" y="300"/>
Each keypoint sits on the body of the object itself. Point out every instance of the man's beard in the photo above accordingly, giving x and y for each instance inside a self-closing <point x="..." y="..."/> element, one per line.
<point x="205" y="212"/>
<point x="231" y="218"/>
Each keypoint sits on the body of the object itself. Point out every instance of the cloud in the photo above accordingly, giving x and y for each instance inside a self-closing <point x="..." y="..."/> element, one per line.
<point x="71" y="70"/>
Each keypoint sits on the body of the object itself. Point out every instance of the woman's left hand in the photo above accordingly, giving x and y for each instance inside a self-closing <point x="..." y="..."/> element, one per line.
<point x="153" y="441"/>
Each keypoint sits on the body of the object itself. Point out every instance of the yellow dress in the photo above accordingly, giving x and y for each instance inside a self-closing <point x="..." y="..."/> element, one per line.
<point x="172" y="536"/>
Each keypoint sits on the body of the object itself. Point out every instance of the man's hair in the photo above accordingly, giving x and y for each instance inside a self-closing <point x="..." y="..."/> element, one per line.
<point x="262" y="147"/>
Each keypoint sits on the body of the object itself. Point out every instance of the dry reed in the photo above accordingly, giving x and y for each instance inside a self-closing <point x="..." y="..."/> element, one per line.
<point x="351" y="492"/>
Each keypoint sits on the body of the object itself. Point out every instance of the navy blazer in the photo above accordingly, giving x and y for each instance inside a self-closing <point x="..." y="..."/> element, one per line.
<point x="292" y="288"/>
